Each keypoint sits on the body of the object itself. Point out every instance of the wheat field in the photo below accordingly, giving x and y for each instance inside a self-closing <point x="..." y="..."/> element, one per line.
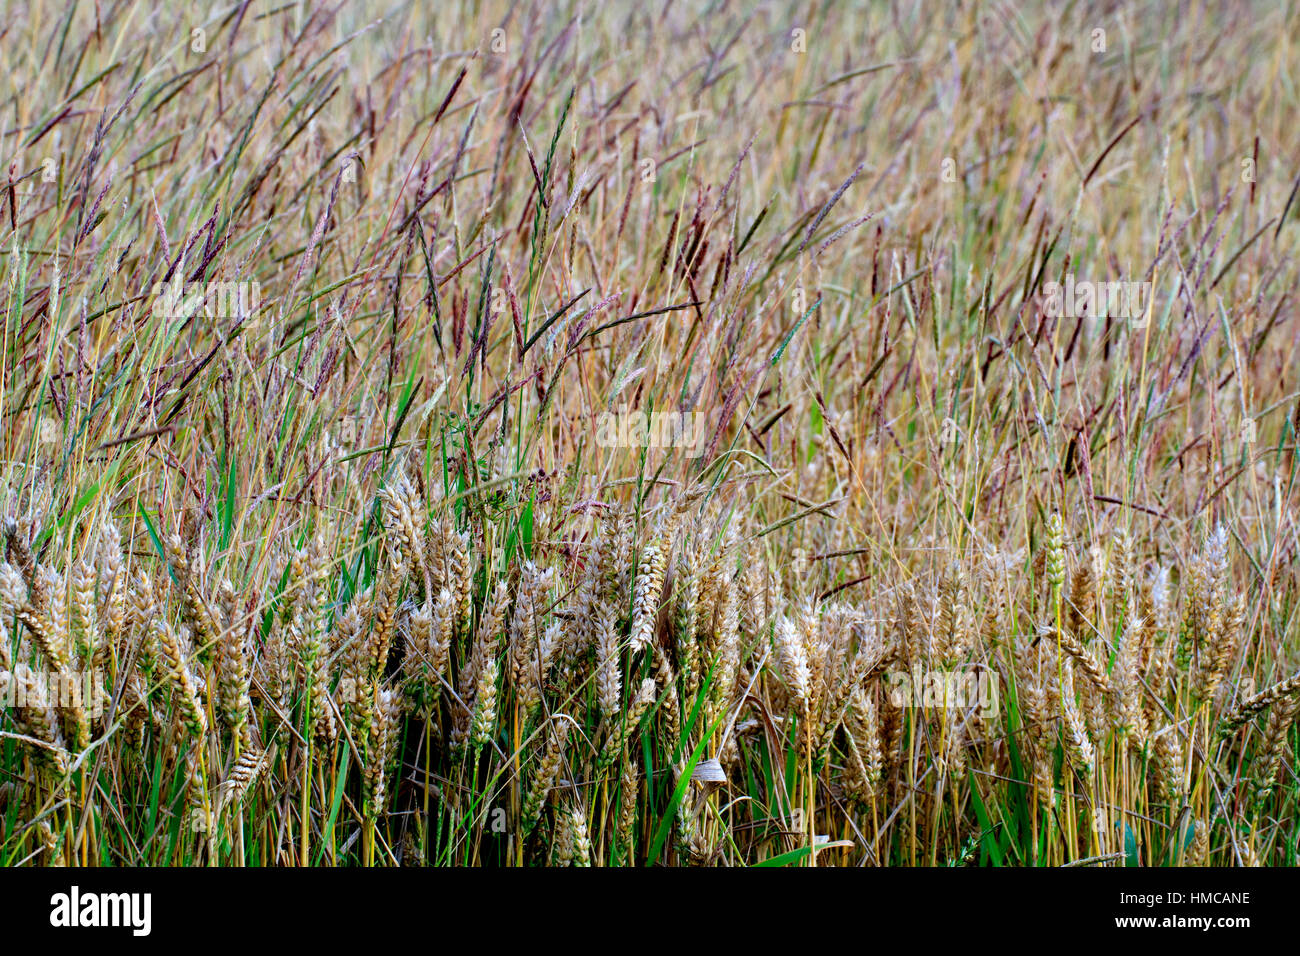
<point x="605" y="434"/>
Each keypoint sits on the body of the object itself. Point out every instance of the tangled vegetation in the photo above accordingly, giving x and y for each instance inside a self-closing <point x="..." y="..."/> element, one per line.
<point x="513" y="434"/>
